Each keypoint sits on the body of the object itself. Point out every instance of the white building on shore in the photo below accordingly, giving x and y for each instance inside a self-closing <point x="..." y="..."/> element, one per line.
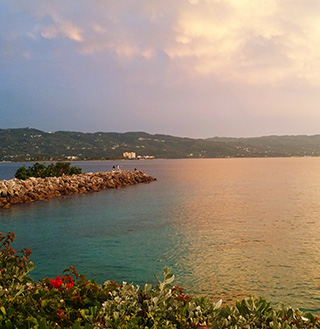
<point x="129" y="155"/>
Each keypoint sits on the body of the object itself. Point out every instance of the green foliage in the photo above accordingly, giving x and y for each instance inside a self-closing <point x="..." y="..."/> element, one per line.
<point x="52" y="170"/>
<point x="37" y="170"/>
<point x="14" y="267"/>
<point x="22" y="173"/>
<point x="26" y="144"/>
<point x="70" y="301"/>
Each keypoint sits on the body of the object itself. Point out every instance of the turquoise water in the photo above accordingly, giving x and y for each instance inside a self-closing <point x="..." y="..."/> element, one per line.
<point x="228" y="228"/>
<point x="112" y="234"/>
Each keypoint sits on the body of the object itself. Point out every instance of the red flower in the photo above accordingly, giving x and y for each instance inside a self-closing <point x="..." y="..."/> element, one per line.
<point x="68" y="281"/>
<point x="69" y="285"/>
<point x="1" y="270"/>
<point x="56" y="283"/>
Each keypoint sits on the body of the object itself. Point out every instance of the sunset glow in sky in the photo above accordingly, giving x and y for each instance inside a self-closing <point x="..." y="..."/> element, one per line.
<point x="194" y="68"/>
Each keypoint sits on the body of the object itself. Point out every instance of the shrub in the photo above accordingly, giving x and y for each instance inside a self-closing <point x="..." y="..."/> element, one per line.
<point x="52" y="170"/>
<point x="22" y="173"/>
<point x="71" y="301"/>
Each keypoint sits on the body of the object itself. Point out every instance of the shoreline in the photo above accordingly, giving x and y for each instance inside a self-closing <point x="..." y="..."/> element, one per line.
<point x="17" y="191"/>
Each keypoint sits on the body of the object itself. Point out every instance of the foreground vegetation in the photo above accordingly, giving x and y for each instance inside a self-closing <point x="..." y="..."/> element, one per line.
<point x="71" y="301"/>
<point x="52" y="170"/>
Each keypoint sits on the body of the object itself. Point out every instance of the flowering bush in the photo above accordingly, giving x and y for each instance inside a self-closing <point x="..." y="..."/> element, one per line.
<point x="58" y="282"/>
<point x="14" y="266"/>
<point x="71" y="301"/>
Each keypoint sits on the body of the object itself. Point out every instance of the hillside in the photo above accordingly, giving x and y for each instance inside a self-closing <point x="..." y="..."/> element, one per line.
<point x="27" y="144"/>
<point x="276" y="145"/>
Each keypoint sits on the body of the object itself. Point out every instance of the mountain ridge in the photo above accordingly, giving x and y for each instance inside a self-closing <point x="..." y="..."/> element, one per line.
<point x="30" y="144"/>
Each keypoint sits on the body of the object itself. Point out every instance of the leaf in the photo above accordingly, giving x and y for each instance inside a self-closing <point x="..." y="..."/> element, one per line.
<point x="42" y="324"/>
<point x="169" y="279"/>
<point x="76" y="325"/>
<point x="32" y="320"/>
<point x="21" y="290"/>
<point x="168" y="276"/>
<point x="83" y="313"/>
<point x="310" y="317"/>
<point x="218" y="304"/>
<point x="147" y="287"/>
<point x="87" y="326"/>
<point x="93" y="310"/>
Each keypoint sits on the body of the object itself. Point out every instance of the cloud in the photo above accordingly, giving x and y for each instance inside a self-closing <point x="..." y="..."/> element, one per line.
<point x="234" y="39"/>
<point x="206" y="63"/>
<point x="249" y="41"/>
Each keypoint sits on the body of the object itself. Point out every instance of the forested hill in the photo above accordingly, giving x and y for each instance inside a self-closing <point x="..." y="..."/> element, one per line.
<point x="27" y="144"/>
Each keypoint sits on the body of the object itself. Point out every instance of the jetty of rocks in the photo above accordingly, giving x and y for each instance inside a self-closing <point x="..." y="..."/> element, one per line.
<point x="15" y="191"/>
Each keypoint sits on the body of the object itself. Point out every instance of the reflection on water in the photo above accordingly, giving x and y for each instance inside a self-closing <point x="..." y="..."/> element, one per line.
<point x="228" y="227"/>
<point x="251" y="226"/>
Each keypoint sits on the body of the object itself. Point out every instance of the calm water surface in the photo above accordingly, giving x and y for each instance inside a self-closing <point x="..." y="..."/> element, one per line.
<point x="228" y="228"/>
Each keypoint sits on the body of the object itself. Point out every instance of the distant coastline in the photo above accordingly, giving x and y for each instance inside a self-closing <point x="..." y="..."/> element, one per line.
<point x="26" y="144"/>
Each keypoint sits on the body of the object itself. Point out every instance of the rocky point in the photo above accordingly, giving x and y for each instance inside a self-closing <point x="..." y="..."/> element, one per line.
<point x="16" y="191"/>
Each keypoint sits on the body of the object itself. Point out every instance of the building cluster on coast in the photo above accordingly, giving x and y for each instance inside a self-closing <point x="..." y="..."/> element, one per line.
<point x="133" y="156"/>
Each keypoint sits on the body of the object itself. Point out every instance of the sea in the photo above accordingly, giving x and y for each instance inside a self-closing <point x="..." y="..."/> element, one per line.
<point x="227" y="228"/>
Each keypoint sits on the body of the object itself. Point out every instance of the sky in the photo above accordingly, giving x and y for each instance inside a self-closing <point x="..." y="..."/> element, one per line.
<point x="188" y="68"/>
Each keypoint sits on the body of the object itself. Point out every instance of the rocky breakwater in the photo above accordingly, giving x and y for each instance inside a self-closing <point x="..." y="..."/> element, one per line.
<point x="15" y="191"/>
